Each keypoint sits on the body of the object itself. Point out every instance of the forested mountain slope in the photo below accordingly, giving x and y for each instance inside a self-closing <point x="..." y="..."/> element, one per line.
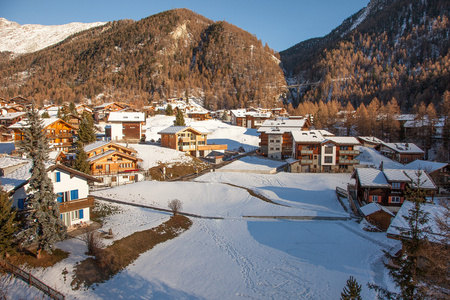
<point x="390" y="49"/>
<point x="170" y="54"/>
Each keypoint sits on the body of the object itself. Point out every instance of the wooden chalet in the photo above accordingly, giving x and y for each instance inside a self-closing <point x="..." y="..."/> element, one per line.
<point x="112" y="163"/>
<point x="369" y="141"/>
<point x="438" y="171"/>
<point x="377" y="215"/>
<point x="388" y="187"/>
<point x="401" y="152"/>
<point x="11" y="118"/>
<point x="6" y="134"/>
<point x="59" y="133"/>
<point x="126" y="126"/>
<point x="101" y="112"/>
<point x="187" y="139"/>
<point x="199" y="116"/>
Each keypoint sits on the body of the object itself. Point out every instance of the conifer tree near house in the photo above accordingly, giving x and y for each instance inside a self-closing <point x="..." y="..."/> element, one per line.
<point x="407" y="270"/>
<point x="44" y="224"/>
<point x="7" y="215"/>
<point x="81" y="164"/>
<point x="179" y="120"/>
<point x="352" y="290"/>
<point x="86" y="131"/>
<point x="169" y="110"/>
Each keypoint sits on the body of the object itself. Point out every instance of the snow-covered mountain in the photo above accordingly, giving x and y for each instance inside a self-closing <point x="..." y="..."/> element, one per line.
<point x="28" y="38"/>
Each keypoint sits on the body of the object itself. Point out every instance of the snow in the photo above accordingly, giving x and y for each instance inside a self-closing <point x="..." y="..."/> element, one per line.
<point x="30" y="38"/>
<point x="373" y="158"/>
<point x="253" y="163"/>
<point x="238" y="256"/>
<point x="221" y="133"/>
<point x="235" y="257"/>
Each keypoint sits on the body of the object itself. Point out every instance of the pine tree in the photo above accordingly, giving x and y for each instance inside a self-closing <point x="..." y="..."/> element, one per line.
<point x="179" y="120"/>
<point x="7" y="216"/>
<point x="81" y="164"/>
<point x="352" y="291"/>
<point x="169" y="110"/>
<point x="86" y="131"/>
<point x="45" y="226"/>
<point x="407" y="270"/>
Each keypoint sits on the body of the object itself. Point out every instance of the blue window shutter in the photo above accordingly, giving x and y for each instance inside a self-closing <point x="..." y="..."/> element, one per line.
<point x="60" y="198"/>
<point x="21" y="203"/>
<point x="60" y="216"/>
<point x="58" y="176"/>
<point x="80" y="214"/>
<point x="73" y="194"/>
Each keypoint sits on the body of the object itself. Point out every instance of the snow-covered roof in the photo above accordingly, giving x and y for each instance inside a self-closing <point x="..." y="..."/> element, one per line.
<point x="9" y="161"/>
<point x="430" y="229"/>
<point x="425" y="181"/>
<point x="176" y="129"/>
<point x="369" y="177"/>
<point x="310" y="136"/>
<point x="370" y="139"/>
<point x="373" y="208"/>
<point x="95" y="145"/>
<point x="425" y="165"/>
<point x="291" y="160"/>
<point x="126" y="117"/>
<point x="344" y="140"/>
<point x="282" y="125"/>
<point x="404" y="147"/>
<point x="406" y="117"/>
<point x="396" y="175"/>
<point x="45" y="122"/>
<point x="12" y="115"/>
<point x="101" y="155"/>
<point x="371" y="157"/>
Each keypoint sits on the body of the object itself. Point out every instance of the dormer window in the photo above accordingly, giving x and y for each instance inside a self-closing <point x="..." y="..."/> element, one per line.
<point x="396" y="185"/>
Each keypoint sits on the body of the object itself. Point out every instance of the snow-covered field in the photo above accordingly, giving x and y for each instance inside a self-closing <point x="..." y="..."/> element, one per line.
<point x="235" y="257"/>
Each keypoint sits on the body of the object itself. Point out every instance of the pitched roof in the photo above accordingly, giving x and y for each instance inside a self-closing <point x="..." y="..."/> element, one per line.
<point x="126" y="117"/>
<point x="404" y="147"/>
<point x="101" y="144"/>
<point x="369" y="177"/>
<point x="344" y="140"/>
<point x="425" y="165"/>
<point x="110" y="153"/>
<point x="310" y="136"/>
<point x="430" y="229"/>
<point x="370" y="139"/>
<point x="282" y="125"/>
<point x="177" y="129"/>
<point x="373" y="208"/>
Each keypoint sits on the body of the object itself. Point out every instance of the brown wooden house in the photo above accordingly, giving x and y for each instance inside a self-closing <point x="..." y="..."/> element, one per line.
<point x="194" y="141"/>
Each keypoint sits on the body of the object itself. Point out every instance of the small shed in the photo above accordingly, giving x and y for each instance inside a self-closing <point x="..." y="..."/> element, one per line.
<point x="377" y="215"/>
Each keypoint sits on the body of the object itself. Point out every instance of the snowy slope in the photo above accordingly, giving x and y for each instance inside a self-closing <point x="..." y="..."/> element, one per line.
<point x="30" y="38"/>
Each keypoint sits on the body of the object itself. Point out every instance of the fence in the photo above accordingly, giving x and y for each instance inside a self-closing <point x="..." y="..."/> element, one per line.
<point x="31" y="280"/>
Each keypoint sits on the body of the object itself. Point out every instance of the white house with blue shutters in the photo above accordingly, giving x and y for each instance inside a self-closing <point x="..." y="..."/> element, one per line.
<point x="70" y="186"/>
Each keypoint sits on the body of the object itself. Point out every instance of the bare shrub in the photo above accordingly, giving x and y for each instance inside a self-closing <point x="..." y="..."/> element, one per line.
<point x="93" y="241"/>
<point x="106" y="260"/>
<point x="175" y="206"/>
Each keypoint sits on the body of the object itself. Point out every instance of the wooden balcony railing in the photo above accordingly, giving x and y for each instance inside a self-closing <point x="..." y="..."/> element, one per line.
<point x="349" y="152"/>
<point x="76" y="204"/>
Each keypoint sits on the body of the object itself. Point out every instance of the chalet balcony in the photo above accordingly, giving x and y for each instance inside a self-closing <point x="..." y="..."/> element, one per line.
<point x="212" y="147"/>
<point x="348" y="161"/>
<point x="306" y="161"/>
<point x="59" y="136"/>
<point x="349" y="152"/>
<point x="124" y="172"/>
<point x="186" y="148"/>
<point x="76" y="204"/>
<point x="306" y="151"/>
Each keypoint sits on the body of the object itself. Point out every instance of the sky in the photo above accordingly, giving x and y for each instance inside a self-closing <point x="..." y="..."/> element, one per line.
<point x="281" y="24"/>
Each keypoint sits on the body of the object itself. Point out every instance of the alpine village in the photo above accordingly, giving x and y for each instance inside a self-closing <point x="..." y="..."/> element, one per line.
<point x="176" y="157"/>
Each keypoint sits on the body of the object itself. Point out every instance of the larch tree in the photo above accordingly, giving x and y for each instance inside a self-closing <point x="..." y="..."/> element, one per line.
<point x="362" y="121"/>
<point x="7" y="216"/>
<point x="44" y="224"/>
<point x="169" y="110"/>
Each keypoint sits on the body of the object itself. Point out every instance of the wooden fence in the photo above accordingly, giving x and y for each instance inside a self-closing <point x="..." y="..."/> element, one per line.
<point x="31" y="280"/>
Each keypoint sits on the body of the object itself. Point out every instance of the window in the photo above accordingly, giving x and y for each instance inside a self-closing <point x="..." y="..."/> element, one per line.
<point x="74" y="215"/>
<point x="271" y="141"/>
<point x="328" y="149"/>
<point x="396" y="185"/>
<point x="99" y="167"/>
<point x="81" y="214"/>
<point x="343" y="148"/>
<point x="58" y="176"/>
<point x="328" y="159"/>
<point x="395" y="199"/>
<point x="73" y="194"/>
<point x="375" y="198"/>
